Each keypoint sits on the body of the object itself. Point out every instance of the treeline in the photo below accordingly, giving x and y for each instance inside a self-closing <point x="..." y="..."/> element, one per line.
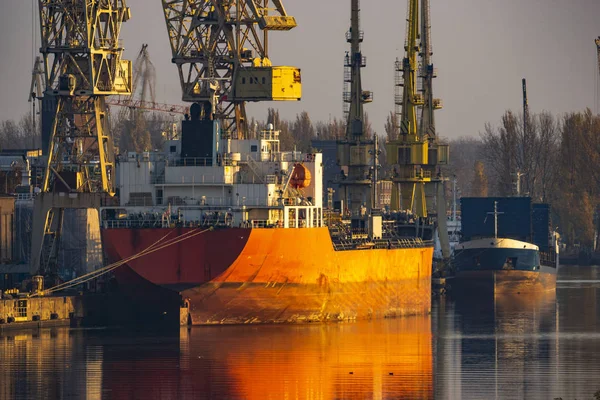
<point x="299" y="132"/>
<point x="19" y="134"/>
<point x="552" y="158"/>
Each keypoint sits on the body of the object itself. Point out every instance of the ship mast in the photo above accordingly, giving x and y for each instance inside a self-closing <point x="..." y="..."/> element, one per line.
<point x="356" y="149"/>
<point x="495" y="213"/>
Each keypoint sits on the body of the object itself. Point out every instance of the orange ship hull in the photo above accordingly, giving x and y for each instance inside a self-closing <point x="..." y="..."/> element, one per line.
<point x="277" y="275"/>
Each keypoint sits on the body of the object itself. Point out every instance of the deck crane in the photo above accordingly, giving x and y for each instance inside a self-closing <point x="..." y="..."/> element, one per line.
<point x="221" y="51"/>
<point x="416" y="155"/>
<point x="81" y="54"/>
<point x="354" y="150"/>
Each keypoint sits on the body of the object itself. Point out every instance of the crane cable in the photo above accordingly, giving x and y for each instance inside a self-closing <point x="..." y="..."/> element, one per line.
<point x="102" y="271"/>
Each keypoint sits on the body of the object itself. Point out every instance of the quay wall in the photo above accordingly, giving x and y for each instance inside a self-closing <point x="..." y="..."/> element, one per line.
<point x="37" y="311"/>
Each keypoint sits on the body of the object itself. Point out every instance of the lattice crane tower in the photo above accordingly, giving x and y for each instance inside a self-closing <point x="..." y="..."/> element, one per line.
<point x="355" y="151"/>
<point x="417" y="153"/>
<point x="221" y="51"/>
<point x="81" y="53"/>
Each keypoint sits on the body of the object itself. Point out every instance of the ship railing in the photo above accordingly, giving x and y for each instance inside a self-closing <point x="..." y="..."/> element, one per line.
<point x="26" y="196"/>
<point x="548" y="258"/>
<point x="260" y="224"/>
<point x="398" y="243"/>
<point x="132" y="223"/>
<point x="206" y="221"/>
<point x="198" y="180"/>
<point x="192" y="162"/>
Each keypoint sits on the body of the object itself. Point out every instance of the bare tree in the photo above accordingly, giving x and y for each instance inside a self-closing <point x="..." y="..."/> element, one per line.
<point x="392" y="130"/>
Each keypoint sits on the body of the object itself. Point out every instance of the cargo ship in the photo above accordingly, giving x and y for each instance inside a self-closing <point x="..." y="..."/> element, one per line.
<point x="507" y="247"/>
<point x="235" y="231"/>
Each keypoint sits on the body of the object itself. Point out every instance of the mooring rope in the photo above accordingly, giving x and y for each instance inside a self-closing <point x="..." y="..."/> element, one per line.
<point x="156" y="246"/>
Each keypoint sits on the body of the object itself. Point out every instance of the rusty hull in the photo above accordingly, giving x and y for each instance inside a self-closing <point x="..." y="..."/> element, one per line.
<point x="236" y="276"/>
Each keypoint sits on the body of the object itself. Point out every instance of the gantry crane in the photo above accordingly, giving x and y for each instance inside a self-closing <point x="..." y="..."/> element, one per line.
<point x="356" y="150"/>
<point x="125" y="101"/>
<point x="417" y="153"/>
<point x="144" y="77"/>
<point x="142" y="87"/>
<point x="220" y="48"/>
<point x="82" y="66"/>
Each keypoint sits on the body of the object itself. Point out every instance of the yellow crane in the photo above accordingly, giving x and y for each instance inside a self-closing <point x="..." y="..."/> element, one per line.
<point x="417" y="153"/>
<point x="81" y="54"/>
<point x="222" y="55"/>
<point x="427" y="74"/>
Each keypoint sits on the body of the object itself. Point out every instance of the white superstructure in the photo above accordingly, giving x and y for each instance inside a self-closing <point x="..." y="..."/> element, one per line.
<point x="245" y="182"/>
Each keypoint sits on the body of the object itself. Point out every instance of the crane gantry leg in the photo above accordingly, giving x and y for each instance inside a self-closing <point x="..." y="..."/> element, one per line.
<point x="82" y="65"/>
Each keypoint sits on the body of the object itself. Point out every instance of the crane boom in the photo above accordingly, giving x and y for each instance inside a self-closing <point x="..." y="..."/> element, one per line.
<point x="148" y="106"/>
<point x="428" y="73"/>
<point x="221" y="52"/>
<point x="410" y="98"/>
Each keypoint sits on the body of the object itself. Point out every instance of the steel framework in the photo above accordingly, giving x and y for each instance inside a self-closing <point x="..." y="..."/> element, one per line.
<point x="427" y="74"/>
<point x="82" y="61"/>
<point x="356" y="150"/>
<point x="417" y="153"/>
<point x="212" y="41"/>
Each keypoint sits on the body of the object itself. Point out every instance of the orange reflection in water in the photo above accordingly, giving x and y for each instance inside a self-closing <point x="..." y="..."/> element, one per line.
<point x="373" y="359"/>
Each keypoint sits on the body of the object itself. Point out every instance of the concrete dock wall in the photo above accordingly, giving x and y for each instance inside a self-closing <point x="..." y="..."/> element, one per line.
<point x="19" y="311"/>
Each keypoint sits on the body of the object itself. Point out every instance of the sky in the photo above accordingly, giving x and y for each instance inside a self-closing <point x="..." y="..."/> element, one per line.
<point x="482" y="50"/>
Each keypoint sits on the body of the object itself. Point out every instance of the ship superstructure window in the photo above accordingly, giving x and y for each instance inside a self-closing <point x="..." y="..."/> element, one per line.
<point x="253" y="148"/>
<point x="173" y="149"/>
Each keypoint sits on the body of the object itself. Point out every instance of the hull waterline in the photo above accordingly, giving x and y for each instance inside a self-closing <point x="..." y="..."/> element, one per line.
<point x="273" y="275"/>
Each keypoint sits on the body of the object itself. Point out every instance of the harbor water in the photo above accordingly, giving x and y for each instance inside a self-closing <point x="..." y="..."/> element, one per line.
<point x="512" y="348"/>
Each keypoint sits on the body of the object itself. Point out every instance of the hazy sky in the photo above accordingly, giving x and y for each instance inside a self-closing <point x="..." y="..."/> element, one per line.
<point x="482" y="49"/>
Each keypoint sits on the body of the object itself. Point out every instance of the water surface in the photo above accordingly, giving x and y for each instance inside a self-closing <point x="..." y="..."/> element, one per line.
<point x="520" y="347"/>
